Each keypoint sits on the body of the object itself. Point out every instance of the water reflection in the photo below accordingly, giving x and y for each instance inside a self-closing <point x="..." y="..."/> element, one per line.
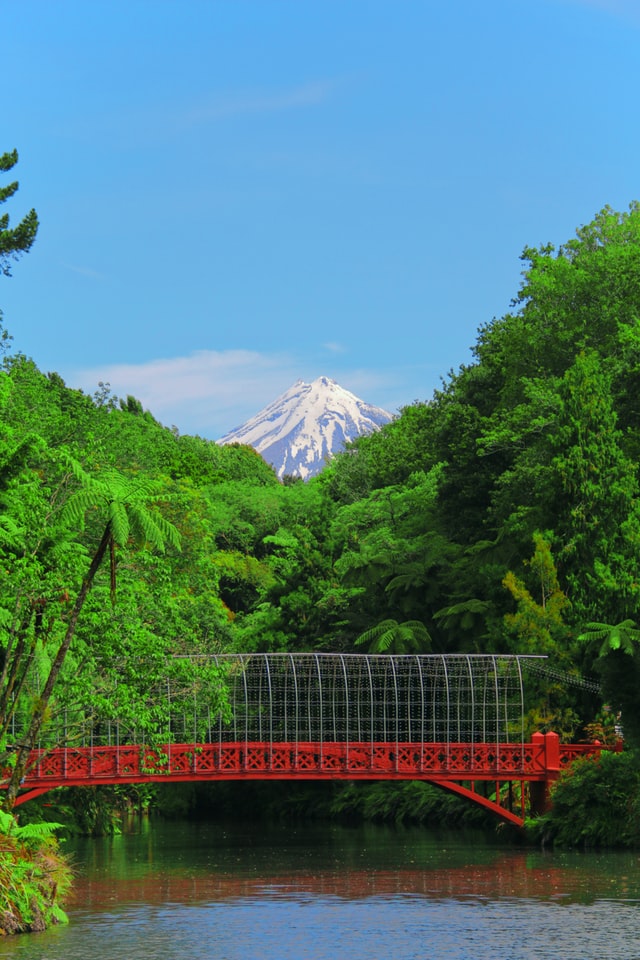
<point x="186" y="863"/>
<point x="192" y="891"/>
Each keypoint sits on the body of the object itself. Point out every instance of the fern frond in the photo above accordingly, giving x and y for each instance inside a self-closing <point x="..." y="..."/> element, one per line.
<point x="463" y="614"/>
<point x="404" y="581"/>
<point x="383" y="642"/>
<point x="138" y="488"/>
<point x="119" y="521"/>
<point x="73" y="512"/>
<point x="169" y="532"/>
<point x="7" y="823"/>
<point x="72" y="464"/>
<point x="64" y="550"/>
<point x="35" y="831"/>
<point x="373" y="633"/>
<point x="388" y="634"/>
<point x="11" y="533"/>
<point x="154" y="528"/>
<point x="623" y="636"/>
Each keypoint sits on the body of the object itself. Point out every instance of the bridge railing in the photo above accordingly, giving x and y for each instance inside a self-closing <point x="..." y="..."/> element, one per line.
<point x="540" y="760"/>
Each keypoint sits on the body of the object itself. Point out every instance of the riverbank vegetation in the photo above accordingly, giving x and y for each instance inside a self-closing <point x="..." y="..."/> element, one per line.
<point x="34" y="877"/>
<point x="503" y="515"/>
<point x="594" y="805"/>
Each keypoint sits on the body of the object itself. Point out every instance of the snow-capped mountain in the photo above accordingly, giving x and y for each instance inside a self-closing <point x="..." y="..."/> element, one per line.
<point x="306" y="424"/>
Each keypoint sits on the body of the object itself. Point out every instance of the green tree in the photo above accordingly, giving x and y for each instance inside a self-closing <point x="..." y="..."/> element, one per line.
<point x="389" y="636"/>
<point x="596" y="522"/>
<point x="124" y="504"/>
<point x="14" y="241"/>
<point x="538" y="623"/>
<point x="390" y="552"/>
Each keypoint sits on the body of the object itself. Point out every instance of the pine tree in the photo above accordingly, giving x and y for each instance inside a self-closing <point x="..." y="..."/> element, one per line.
<point x="16" y="240"/>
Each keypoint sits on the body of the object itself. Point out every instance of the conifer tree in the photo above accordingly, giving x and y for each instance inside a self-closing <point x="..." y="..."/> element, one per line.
<point x="14" y="241"/>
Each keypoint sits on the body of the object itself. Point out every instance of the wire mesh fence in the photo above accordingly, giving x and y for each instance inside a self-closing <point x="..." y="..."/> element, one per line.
<point x="311" y="697"/>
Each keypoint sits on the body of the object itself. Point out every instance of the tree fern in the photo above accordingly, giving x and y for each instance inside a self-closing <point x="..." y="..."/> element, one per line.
<point x="463" y="614"/>
<point x="9" y="827"/>
<point x="411" y="636"/>
<point x="123" y="502"/>
<point x="623" y="636"/>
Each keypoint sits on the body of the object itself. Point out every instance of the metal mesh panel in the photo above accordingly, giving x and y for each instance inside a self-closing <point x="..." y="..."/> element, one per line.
<point x="343" y="697"/>
<point x="323" y="698"/>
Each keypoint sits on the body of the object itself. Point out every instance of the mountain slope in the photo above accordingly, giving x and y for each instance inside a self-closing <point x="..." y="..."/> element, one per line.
<point x="306" y="424"/>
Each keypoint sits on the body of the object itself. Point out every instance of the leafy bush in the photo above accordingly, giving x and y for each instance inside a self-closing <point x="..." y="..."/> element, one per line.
<point x="34" y="877"/>
<point x="596" y="804"/>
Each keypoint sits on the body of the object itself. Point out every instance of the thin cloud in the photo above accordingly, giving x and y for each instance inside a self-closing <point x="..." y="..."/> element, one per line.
<point x="212" y="392"/>
<point x="333" y="347"/>
<point x="147" y="124"/>
<point x="84" y="271"/>
<point x="209" y="391"/>
<point x="624" y="9"/>
<point x="231" y="105"/>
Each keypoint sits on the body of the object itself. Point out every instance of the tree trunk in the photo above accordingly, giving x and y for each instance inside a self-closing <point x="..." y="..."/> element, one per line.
<point x="42" y="703"/>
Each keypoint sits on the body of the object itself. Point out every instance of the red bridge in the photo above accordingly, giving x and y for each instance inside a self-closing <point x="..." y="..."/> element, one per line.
<point x="454" y="721"/>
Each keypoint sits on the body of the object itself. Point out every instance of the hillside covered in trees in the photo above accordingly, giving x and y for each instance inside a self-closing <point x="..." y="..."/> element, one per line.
<point x="501" y="516"/>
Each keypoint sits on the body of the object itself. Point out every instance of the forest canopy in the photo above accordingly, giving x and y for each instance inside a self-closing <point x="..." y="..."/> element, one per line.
<point x="502" y="515"/>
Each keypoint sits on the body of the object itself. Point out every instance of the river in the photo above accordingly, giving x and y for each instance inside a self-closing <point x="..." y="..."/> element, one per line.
<point x="192" y="890"/>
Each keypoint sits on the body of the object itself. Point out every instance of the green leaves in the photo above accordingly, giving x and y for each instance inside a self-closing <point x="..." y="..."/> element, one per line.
<point x="19" y="239"/>
<point x="538" y="623"/>
<point x="466" y="615"/>
<point x="389" y="636"/>
<point x="28" y="833"/>
<point x="623" y="636"/>
<point x="123" y="501"/>
<point x="596" y="804"/>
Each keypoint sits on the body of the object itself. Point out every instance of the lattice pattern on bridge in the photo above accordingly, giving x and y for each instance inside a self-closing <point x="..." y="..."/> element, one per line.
<point x="350" y="697"/>
<point x="310" y="697"/>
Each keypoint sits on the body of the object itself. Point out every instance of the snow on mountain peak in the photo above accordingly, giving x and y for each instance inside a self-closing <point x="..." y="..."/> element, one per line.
<point x="306" y="424"/>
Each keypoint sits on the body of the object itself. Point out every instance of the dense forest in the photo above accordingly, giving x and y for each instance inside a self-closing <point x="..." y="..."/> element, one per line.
<point x="501" y="515"/>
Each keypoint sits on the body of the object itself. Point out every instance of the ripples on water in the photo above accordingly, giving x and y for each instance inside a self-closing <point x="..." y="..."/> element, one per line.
<point x="191" y="891"/>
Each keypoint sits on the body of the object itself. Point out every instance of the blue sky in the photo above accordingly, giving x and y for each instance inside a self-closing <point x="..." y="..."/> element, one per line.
<point x="235" y="194"/>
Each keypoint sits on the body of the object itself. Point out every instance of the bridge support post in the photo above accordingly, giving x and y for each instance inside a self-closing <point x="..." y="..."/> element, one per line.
<point x="540" y="791"/>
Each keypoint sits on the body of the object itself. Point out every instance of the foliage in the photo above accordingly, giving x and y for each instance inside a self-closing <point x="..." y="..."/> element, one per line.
<point x="500" y="516"/>
<point x="96" y="811"/>
<point x="412" y="802"/>
<point x="624" y="636"/>
<point x="596" y="803"/>
<point x="34" y="878"/>
<point x="618" y="662"/>
<point x="14" y="241"/>
<point x="389" y="636"/>
<point x="538" y="625"/>
<point x="124" y="512"/>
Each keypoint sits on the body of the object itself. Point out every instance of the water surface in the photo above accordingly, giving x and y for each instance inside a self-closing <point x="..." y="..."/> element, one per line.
<point x="248" y="892"/>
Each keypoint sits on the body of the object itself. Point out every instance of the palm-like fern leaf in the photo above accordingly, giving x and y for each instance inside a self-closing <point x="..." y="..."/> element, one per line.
<point x="624" y="636"/>
<point x="409" y="636"/>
